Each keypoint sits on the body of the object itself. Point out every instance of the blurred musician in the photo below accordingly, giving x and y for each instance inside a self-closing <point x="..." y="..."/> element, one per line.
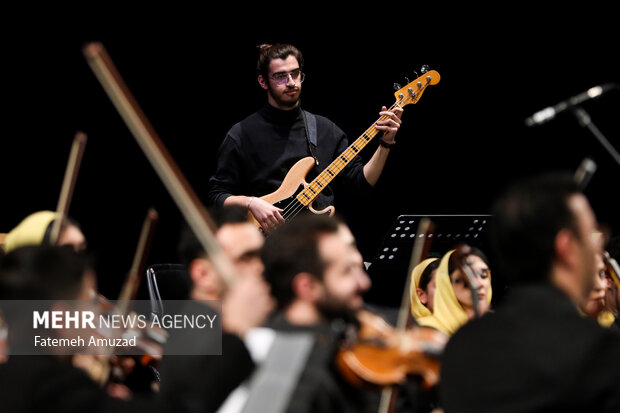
<point x="535" y="352"/>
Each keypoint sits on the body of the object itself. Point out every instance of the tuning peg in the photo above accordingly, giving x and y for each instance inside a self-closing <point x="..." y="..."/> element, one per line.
<point x="424" y="69"/>
<point x="397" y="87"/>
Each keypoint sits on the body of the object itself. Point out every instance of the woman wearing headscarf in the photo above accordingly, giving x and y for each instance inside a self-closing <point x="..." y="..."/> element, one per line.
<point x="423" y="288"/>
<point x="36" y="229"/>
<point x="453" y="301"/>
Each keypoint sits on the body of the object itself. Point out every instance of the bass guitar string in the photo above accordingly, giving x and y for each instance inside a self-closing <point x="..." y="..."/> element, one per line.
<point x="295" y="206"/>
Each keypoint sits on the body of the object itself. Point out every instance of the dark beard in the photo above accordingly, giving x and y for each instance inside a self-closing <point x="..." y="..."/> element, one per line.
<point x="283" y="103"/>
<point x="332" y="308"/>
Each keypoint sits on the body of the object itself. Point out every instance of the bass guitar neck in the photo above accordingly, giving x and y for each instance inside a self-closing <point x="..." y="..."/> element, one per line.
<point x="296" y="195"/>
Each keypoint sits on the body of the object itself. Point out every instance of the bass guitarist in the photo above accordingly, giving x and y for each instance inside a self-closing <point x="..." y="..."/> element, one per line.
<point x="257" y="152"/>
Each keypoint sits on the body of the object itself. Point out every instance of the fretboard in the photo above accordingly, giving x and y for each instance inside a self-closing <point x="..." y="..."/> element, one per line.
<point x="312" y="191"/>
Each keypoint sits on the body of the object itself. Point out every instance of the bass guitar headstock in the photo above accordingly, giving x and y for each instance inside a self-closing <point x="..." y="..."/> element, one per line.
<point x="412" y="92"/>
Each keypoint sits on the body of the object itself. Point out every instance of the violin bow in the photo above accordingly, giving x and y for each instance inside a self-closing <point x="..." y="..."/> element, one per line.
<point x="138" y="267"/>
<point x="462" y="251"/>
<point x="421" y="248"/>
<point x="68" y="184"/>
<point x="166" y="168"/>
<point x="132" y="282"/>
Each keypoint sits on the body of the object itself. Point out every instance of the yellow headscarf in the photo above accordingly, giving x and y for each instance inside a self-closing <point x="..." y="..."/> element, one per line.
<point x="422" y="314"/>
<point x="448" y="315"/>
<point x="419" y="310"/>
<point x="30" y="231"/>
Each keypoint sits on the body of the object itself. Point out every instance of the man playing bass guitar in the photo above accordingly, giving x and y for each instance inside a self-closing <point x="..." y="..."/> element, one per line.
<point x="257" y="152"/>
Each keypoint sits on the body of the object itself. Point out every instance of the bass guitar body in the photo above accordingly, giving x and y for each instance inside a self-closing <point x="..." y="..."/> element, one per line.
<point x="285" y="197"/>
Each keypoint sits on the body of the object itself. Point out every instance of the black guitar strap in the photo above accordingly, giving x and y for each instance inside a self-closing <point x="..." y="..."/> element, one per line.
<point x="311" y="134"/>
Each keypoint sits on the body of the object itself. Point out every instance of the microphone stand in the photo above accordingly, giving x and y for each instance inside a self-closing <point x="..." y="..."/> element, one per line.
<point x="585" y="121"/>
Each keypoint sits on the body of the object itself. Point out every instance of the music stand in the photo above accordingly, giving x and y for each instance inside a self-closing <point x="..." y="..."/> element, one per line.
<point x="166" y="282"/>
<point x="389" y="266"/>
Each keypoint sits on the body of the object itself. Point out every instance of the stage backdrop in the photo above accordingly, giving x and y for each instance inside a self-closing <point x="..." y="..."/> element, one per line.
<point x="457" y="149"/>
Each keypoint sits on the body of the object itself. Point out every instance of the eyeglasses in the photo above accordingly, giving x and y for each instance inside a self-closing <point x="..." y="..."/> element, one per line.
<point x="282" y="78"/>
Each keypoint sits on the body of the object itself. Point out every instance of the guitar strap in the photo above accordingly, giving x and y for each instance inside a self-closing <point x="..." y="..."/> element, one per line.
<point x="311" y="134"/>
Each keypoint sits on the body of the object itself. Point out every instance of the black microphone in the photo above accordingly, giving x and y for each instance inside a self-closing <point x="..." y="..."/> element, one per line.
<point x="549" y="113"/>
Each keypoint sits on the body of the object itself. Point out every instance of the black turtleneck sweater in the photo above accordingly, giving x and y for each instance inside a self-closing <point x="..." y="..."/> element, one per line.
<point x="257" y="153"/>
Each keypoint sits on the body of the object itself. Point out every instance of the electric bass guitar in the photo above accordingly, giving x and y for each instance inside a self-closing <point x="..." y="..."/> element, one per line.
<point x="296" y="195"/>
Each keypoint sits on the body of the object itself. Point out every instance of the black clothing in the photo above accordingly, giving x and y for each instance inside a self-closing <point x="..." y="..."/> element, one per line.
<point x="201" y="383"/>
<point x="321" y="387"/>
<point x="257" y="153"/>
<point x="49" y="384"/>
<point x="534" y="354"/>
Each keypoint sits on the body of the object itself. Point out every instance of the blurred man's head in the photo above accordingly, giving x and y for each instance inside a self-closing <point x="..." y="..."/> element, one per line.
<point x="46" y="273"/>
<point x="543" y="231"/>
<point x="239" y="240"/>
<point x="315" y="269"/>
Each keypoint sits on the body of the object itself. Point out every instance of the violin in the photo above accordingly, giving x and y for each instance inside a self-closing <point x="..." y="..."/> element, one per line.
<point x="381" y="355"/>
<point x="147" y="342"/>
<point x="378" y="355"/>
<point x="100" y="366"/>
<point x="135" y="367"/>
<point x="612" y="268"/>
<point x="610" y="314"/>
<point x="150" y="339"/>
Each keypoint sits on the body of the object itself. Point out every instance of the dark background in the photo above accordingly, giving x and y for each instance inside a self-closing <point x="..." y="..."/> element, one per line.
<point x="458" y="147"/>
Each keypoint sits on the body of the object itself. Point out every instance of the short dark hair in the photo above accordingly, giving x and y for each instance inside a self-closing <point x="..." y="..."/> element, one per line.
<point x="527" y="218"/>
<point x="190" y="248"/>
<point x="42" y="272"/>
<point x="427" y="274"/>
<point x="268" y="52"/>
<point x="292" y="249"/>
